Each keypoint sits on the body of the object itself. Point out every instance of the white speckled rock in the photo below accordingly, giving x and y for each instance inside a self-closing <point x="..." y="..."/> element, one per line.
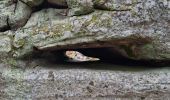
<point x="33" y="35"/>
<point x="56" y="81"/>
<point x="5" y="44"/>
<point x="140" y="33"/>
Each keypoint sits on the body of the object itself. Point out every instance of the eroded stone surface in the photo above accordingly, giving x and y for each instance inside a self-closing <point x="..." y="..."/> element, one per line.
<point x="137" y="29"/>
<point x="6" y="9"/>
<point x="67" y="82"/>
<point x="141" y="32"/>
<point x="5" y="44"/>
<point x="20" y="16"/>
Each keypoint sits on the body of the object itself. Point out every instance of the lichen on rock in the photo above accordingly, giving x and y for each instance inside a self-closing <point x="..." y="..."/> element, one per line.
<point x="138" y="28"/>
<point x="35" y="34"/>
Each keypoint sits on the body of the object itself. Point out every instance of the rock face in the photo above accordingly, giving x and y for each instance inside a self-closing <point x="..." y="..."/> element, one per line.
<point x="54" y="83"/>
<point x="138" y="30"/>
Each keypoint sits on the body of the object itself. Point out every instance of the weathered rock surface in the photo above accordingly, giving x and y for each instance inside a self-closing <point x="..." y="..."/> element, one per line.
<point x="45" y="81"/>
<point x="136" y="29"/>
<point x="20" y="16"/>
<point x="133" y="29"/>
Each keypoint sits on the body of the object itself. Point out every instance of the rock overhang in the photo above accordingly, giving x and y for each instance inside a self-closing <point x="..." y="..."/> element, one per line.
<point x="129" y="25"/>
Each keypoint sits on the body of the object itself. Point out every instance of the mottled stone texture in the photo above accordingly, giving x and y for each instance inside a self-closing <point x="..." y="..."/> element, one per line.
<point x="134" y="29"/>
<point x="58" y="82"/>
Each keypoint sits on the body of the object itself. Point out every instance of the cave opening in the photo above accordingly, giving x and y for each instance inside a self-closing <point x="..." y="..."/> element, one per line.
<point x="106" y="55"/>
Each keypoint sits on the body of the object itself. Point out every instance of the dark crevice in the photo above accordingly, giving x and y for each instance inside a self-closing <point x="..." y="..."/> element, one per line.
<point x="9" y="27"/>
<point x="6" y="28"/>
<point x="16" y="3"/>
<point x="46" y="5"/>
<point x="24" y="3"/>
<point x="104" y="54"/>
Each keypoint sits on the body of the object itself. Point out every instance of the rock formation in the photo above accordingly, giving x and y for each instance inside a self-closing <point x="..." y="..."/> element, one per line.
<point x="135" y="29"/>
<point x="138" y="30"/>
